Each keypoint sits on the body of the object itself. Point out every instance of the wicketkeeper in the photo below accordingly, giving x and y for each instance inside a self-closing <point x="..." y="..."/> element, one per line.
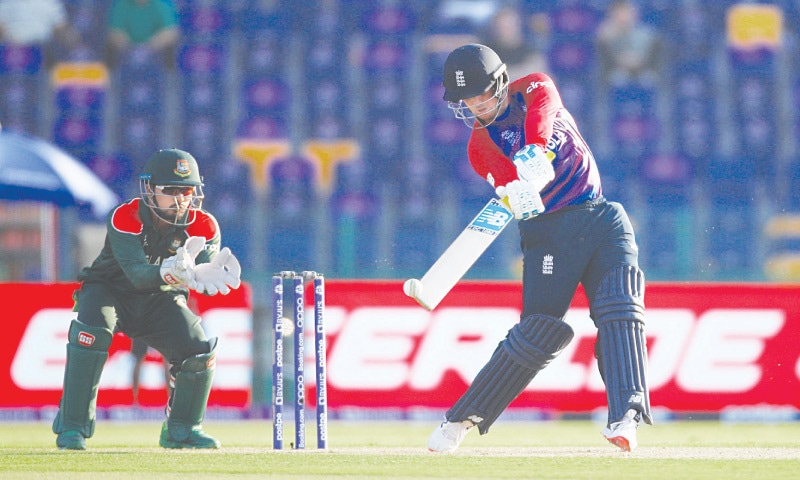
<point x="158" y="246"/>
<point x="527" y="146"/>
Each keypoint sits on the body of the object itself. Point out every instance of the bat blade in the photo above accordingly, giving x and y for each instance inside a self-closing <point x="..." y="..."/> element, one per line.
<point x="463" y="253"/>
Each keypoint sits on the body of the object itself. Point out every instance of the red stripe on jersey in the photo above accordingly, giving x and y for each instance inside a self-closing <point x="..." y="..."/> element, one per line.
<point x="204" y="225"/>
<point x="126" y="218"/>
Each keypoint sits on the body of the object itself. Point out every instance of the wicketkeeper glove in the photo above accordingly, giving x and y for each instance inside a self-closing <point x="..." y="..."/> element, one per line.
<point x="219" y="275"/>
<point x="523" y="198"/>
<point x="179" y="268"/>
<point x="534" y="166"/>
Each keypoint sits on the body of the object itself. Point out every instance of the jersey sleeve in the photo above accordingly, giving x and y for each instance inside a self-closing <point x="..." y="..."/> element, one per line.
<point x="124" y="229"/>
<point x="544" y="103"/>
<point x="206" y="226"/>
<point x="488" y="160"/>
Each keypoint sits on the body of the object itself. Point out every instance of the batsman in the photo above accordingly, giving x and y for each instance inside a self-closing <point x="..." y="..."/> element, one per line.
<point x="528" y="147"/>
<point x="158" y="247"/>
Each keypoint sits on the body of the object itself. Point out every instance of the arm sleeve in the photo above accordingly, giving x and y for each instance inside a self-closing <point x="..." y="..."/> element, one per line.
<point x="129" y="254"/>
<point x="206" y="226"/>
<point x="488" y="160"/>
<point x="543" y="102"/>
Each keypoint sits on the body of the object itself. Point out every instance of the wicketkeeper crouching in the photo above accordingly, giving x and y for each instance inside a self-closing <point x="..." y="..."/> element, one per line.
<point x="158" y="247"/>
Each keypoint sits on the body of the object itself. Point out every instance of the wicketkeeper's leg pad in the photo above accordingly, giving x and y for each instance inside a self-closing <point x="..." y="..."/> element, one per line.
<point x="187" y="405"/>
<point x="529" y="347"/>
<point x="87" y="352"/>
<point x="621" y="349"/>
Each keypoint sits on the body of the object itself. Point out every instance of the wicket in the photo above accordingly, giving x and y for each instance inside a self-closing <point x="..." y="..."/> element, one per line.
<point x="298" y="287"/>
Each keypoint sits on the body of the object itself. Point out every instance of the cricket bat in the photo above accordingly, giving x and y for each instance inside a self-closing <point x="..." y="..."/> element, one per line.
<point x="460" y="255"/>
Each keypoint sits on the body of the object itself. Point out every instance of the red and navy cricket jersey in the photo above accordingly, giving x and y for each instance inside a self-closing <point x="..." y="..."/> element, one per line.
<point x="536" y="115"/>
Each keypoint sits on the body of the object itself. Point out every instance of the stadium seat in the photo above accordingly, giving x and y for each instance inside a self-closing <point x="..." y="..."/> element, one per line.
<point x="354" y="206"/>
<point x="293" y="205"/>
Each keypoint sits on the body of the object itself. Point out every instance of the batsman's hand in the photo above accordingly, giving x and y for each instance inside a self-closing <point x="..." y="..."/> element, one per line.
<point x="534" y="166"/>
<point x="179" y="268"/>
<point x="220" y="275"/>
<point x="523" y="198"/>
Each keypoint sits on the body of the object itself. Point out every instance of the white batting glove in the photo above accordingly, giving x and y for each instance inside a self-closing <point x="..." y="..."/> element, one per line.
<point x="219" y="275"/>
<point x="534" y="166"/>
<point x="179" y="268"/>
<point x="523" y="198"/>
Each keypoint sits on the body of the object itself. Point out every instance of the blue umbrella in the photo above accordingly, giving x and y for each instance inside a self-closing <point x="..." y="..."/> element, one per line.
<point x="33" y="169"/>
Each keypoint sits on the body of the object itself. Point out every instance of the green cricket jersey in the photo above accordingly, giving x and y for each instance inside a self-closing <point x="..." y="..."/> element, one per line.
<point x="134" y="249"/>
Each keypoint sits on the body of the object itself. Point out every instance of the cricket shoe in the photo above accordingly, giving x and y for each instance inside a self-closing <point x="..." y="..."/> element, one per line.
<point x="197" y="438"/>
<point x="71" y="440"/>
<point x="448" y="436"/>
<point x="623" y="433"/>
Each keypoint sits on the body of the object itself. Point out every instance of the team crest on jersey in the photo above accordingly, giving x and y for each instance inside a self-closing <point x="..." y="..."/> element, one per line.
<point x="175" y="245"/>
<point x="182" y="168"/>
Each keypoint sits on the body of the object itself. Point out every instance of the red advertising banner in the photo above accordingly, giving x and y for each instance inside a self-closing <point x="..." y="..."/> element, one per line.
<point x="711" y="347"/>
<point x="33" y="349"/>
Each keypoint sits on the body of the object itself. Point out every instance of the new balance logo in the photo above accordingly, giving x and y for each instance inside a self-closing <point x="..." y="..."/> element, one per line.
<point x="497" y="219"/>
<point x="460" y="81"/>
<point x="475" y="419"/>
<point x="635" y="398"/>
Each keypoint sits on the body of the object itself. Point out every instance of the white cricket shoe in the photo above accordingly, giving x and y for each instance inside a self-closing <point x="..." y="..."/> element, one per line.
<point x="623" y="433"/>
<point x="448" y="436"/>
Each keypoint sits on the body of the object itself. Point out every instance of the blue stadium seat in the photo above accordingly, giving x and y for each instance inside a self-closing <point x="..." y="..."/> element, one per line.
<point x="665" y="232"/>
<point x="387" y="56"/>
<point x="292" y="202"/>
<point x="385" y="142"/>
<point x="229" y="189"/>
<point x="202" y="57"/>
<point x="694" y="96"/>
<point x="634" y="135"/>
<point x="417" y="195"/>
<point x="354" y="206"/>
<point x="572" y="57"/>
<point x="577" y="93"/>
<point x="204" y="21"/>
<point x="21" y="60"/>
<point x="791" y="201"/>
<point x="325" y="59"/>
<point x="18" y="103"/>
<point x="252" y="17"/>
<point x="203" y="94"/>
<point x="140" y="95"/>
<point x="574" y="19"/>
<point x="732" y="242"/>
<point x="618" y="173"/>
<point x="78" y="134"/>
<point x="266" y="96"/>
<point x="137" y="136"/>
<point x="386" y="94"/>
<point x="263" y="54"/>
<point x="85" y="99"/>
<point x="388" y="20"/>
<point x="261" y="127"/>
<point x="204" y="133"/>
<point x="116" y="171"/>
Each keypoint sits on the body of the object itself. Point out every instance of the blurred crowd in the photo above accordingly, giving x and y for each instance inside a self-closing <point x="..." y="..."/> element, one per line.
<point x="313" y="124"/>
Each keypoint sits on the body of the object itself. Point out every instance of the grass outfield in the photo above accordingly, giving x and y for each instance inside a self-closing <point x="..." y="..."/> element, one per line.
<point x="557" y="450"/>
